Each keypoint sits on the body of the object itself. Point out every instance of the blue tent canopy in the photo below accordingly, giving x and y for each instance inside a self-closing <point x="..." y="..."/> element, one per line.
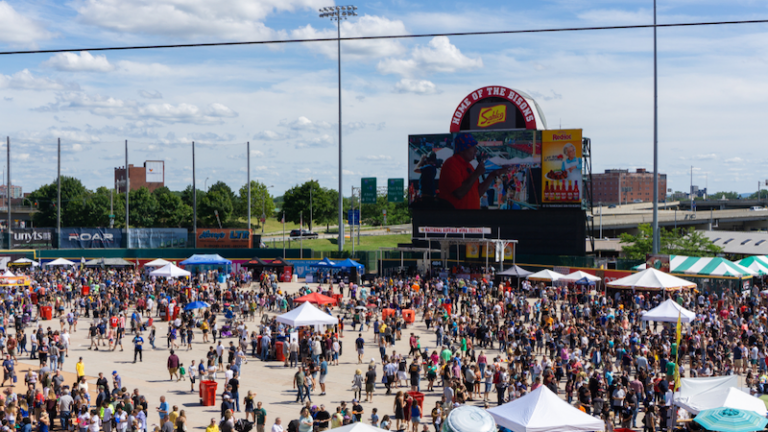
<point x="585" y="281"/>
<point x="348" y="263"/>
<point x="324" y="263"/>
<point x="201" y="259"/>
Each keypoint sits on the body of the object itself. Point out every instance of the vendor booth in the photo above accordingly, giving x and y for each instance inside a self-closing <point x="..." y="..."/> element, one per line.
<point x="669" y="311"/>
<point x="157" y="263"/>
<point x="543" y="411"/>
<point x="698" y="394"/>
<point x="170" y="271"/>
<point x="651" y="280"/>
<point x="306" y="315"/>
<point x="200" y="263"/>
<point x="109" y="262"/>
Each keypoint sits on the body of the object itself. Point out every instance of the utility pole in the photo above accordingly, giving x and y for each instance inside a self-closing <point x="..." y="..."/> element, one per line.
<point x="127" y="190"/>
<point x="58" y="197"/>
<point x="656" y="238"/>
<point x="194" y="199"/>
<point x="8" y="189"/>
<point x="248" y="151"/>
<point x="111" y="209"/>
<point x="691" y="188"/>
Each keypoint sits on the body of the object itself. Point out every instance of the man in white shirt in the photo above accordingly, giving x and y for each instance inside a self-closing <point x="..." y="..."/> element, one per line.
<point x="277" y="427"/>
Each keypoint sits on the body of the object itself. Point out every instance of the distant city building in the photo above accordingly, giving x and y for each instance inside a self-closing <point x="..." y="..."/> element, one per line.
<point x="15" y="191"/>
<point x="617" y="186"/>
<point x="151" y="176"/>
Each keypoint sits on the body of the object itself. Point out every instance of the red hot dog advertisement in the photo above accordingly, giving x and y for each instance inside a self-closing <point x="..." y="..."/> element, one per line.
<point x="561" y="168"/>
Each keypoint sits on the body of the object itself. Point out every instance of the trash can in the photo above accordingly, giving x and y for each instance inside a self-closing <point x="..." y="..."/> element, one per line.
<point x="209" y="398"/>
<point x="208" y="393"/>
<point x="409" y="315"/>
<point x="279" y="354"/>
<point x="176" y="312"/>
<point x="419" y="398"/>
<point x="386" y="313"/>
<point x="258" y="345"/>
<point x="33" y="295"/>
<point x="46" y="312"/>
<point x="85" y="290"/>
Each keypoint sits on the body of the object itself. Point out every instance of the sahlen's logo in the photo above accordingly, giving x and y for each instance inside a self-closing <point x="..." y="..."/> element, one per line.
<point x="492" y="115"/>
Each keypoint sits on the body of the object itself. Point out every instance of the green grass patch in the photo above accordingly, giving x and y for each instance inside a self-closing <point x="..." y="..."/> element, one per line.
<point x="328" y="245"/>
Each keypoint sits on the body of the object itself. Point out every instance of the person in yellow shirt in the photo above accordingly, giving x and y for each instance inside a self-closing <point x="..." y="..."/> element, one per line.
<point x="80" y="366"/>
<point x="174" y="415"/>
<point x="213" y="427"/>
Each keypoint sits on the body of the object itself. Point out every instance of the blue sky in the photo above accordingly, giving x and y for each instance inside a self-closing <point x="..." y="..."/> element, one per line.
<point x="283" y="98"/>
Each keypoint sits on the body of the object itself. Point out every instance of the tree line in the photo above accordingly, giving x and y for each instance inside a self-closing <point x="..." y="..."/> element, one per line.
<point x="161" y="208"/>
<point x="164" y="208"/>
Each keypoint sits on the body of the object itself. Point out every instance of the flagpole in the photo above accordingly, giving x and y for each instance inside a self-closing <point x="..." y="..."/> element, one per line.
<point x="283" y="235"/>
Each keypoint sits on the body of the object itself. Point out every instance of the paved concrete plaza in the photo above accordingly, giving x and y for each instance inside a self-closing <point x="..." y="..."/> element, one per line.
<point x="271" y="380"/>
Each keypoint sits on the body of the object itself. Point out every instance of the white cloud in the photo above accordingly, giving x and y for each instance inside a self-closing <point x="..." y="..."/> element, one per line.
<point x="24" y="80"/>
<point x="155" y="94"/>
<point x="22" y="156"/>
<point x="422" y="87"/>
<point x="366" y="25"/>
<point x="375" y="158"/>
<point x="258" y="153"/>
<point x="77" y="147"/>
<point x="17" y="29"/>
<point x="83" y="62"/>
<point x="233" y="19"/>
<point x="734" y="160"/>
<point x="348" y="172"/>
<point x="268" y="135"/>
<point x="304" y="124"/>
<point x="145" y="69"/>
<point x="111" y="107"/>
<point x="438" y="56"/>
<point x="316" y="142"/>
<point x="617" y="17"/>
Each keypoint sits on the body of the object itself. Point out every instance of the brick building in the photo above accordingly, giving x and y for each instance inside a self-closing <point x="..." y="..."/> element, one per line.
<point x="151" y="176"/>
<point x="15" y="191"/>
<point x="617" y="186"/>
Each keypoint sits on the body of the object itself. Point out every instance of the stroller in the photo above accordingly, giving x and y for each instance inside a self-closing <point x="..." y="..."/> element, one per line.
<point x="243" y="425"/>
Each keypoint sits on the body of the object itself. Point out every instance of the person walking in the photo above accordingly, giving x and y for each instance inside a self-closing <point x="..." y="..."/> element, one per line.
<point x="173" y="365"/>
<point x="138" y="344"/>
<point x="357" y="383"/>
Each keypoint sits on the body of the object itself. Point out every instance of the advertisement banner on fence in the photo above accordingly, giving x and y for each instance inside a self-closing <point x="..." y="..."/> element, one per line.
<point x="91" y="238"/>
<point x="157" y="238"/>
<point x="301" y="268"/>
<point x="32" y="238"/>
<point x="223" y="238"/>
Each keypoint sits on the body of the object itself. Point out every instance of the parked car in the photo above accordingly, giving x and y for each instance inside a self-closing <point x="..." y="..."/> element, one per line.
<point x="757" y="208"/>
<point x="304" y="234"/>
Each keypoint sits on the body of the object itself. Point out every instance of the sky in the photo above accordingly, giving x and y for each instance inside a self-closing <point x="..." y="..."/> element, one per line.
<point x="282" y="98"/>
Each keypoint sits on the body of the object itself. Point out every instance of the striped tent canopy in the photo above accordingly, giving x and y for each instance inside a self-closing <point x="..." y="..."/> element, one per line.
<point x="708" y="267"/>
<point x="758" y="264"/>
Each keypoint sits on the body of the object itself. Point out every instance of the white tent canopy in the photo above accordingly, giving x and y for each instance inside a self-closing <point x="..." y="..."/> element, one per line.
<point x="669" y="311"/>
<point x="698" y="394"/>
<point x="26" y="261"/>
<point x="543" y="411"/>
<point x="358" y="427"/>
<point x="157" y="263"/>
<point x="8" y="274"/>
<point x="578" y="275"/>
<point x="545" y="275"/>
<point x="653" y="280"/>
<point x="170" y="271"/>
<point x="60" y="262"/>
<point x="306" y="315"/>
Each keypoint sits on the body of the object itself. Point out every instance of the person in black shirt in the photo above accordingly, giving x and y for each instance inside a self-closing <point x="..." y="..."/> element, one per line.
<point x="322" y="419"/>
<point x="370" y="383"/>
<point x="235" y="384"/>
<point x="357" y="410"/>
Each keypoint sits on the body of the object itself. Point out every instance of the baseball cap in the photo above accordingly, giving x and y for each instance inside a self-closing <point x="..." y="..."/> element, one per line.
<point x="464" y="141"/>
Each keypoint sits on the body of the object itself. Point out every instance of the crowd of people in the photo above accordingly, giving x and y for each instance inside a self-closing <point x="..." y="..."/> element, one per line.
<point x="469" y="342"/>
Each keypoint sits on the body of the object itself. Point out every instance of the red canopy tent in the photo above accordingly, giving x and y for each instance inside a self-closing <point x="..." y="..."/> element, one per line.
<point x="316" y="298"/>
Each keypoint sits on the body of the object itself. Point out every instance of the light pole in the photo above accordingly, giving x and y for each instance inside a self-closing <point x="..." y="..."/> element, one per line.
<point x="264" y="206"/>
<point x="339" y="13"/>
<point x="205" y="184"/>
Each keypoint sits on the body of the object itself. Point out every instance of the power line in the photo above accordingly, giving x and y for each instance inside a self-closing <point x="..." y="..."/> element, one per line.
<point x="413" y="36"/>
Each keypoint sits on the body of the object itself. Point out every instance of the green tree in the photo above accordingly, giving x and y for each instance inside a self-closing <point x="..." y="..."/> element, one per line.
<point x="72" y="190"/>
<point x="261" y="201"/>
<point x="681" y="241"/>
<point x="215" y="201"/>
<point x="171" y="211"/>
<point x="373" y="214"/>
<point x="142" y="208"/>
<point x="296" y="202"/>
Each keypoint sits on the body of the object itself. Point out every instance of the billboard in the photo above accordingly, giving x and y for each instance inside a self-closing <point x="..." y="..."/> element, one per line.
<point x="658" y="262"/>
<point x="90" y="238"/>
<point x="33" y="238"/>
<point x="155" y="171"/>
<point x="517" y="153"/>
<point x="157" y="238"/>
<point x="561" y="168"/>
<point x="223" y="238"/>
